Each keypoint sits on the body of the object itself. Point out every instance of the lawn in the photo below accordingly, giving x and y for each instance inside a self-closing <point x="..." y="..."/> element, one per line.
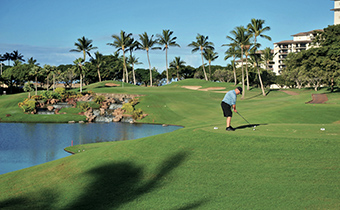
<point x="288" y="162"/>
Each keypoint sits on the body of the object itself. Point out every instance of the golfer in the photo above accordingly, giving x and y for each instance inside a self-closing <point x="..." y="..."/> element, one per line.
<point x="228" y="102"/>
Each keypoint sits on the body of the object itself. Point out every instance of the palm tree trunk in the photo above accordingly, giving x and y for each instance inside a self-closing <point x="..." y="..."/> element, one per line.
<point x="125" y="68"/>
<point x="36" y="85"/>
<point x="53" y="82"/>
<point x="81" y="82"/>
<point x="177" y="73"/>
<point x="205" y="74"/>
<point x="133" y="74"/>
<point x="100" y="79"/>
<point x="166" y="60"/>
<point x="258" y="71"/>
<point x="235" y="78"/>
<point x="243" y="92"/>
<point x="247" y="72"/>
<point x="147" y="53"/>
<point x="209" y="71"/>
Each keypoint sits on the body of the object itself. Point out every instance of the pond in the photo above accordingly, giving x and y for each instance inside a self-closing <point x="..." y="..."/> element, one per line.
<point x="24" y="145"/>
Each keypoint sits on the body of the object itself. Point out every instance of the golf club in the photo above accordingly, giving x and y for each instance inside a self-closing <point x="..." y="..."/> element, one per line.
<point x="243" y="117"/>
<point x="246" y="121"/>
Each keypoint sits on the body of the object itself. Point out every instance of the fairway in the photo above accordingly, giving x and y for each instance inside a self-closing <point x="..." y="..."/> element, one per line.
<point x="290" y="161"/>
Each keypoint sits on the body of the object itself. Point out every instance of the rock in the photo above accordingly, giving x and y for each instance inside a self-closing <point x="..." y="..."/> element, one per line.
<point x="118" y="118"/>
<point x="71" y="121"/>
<point x="81" y="122"/>
<point x="50" y="108"/>
<point x="102" y="111"/>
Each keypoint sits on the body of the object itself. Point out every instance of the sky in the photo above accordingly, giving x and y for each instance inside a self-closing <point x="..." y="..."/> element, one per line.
<point x="47" y="29"/>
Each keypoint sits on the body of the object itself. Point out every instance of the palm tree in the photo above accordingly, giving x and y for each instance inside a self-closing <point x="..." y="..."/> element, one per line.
<point x="79" y="68"/>
<point x="48" y="70"/>
<point x="35" y="71"/>
<point x="15" y="55"/>
<point x="246" y="53"/>
<point x="122" y="43"/>
<point x="2" y="58"/>
<point x="7" y="56"/>
<point x="202" y="44"/>
<point x="146" y="43"/>
<point x="133" y="61"/>
<point x="240" y="39"/>
<point x="166" y="40"/>
<point x="98" y="62"/>
<point x="234" y="52"/>
<point x="210" y="55"/>
<point x="32" y="61"/>
<point x="257" y="29"/>
<point x="84" y="45"/>
<point x="268" y="56"/>
<point x="177" y="63"/>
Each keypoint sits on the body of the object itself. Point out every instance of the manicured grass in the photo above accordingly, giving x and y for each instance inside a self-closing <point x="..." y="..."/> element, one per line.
<point x="286" y="163"/>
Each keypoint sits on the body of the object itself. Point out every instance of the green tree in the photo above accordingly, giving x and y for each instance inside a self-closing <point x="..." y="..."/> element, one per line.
<point x="98" y="63"/>
<point x="146" y="43"/>
<point x="166" y="40"/>
<point x="240" y="37"/>
<point x="16" y="56"/>
<point x="234" y="52"/>
<point x="81" y="70"/>
<point x="83" y="45"/>
<point x="122" y="42"/>
<point x="268" y="56"/>
<point x="133" y="61"/>
<point x="177" y="63"/>
<point x="202" y="44"/>
<point x="210" y="56"/>
<point x="256" y="28"/>
<point x="32" y="61"/>
<point x="35" y="71"/>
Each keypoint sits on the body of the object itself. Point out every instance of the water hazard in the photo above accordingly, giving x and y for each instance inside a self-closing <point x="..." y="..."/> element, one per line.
<point x="24" y="145"/>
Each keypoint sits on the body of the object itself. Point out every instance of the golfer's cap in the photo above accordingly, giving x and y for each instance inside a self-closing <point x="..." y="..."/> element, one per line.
<point x="240" y="89"/>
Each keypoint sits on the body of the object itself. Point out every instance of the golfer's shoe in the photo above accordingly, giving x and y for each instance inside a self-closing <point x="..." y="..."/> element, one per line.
<point x="230" y="129"/>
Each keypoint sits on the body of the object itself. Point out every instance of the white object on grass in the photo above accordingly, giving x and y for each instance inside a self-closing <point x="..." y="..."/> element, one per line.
<point x="215" y="128"/>
<point x="322" y="129"/>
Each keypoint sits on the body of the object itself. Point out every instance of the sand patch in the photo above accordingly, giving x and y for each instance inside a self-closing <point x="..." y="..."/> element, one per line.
<point x="212" y="88"/>
<point x="192" y="87"/>
<point x="111" y="85"/>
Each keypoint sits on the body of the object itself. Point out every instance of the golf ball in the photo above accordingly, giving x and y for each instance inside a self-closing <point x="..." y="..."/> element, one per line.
<point x="322" y="129"/>
<point x="253" y="129"/>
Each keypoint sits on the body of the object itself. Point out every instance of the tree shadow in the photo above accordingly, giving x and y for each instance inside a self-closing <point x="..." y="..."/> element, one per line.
<point x="248" y="126"/>
<point x="42" y="200"/>
<point x="113" y="185"/>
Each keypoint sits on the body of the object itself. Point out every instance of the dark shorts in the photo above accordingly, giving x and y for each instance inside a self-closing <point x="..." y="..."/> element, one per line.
<point x="226" y="109"/>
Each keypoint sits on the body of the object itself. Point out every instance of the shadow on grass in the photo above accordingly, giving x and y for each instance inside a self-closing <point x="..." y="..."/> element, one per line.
<point x="248" y="126"/>
<point x="113" y="185"/>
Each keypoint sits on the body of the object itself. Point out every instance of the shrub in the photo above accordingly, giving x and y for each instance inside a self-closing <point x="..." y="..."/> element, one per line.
<point x="137" y="114"/>
<point x="99" y="99"/>
<point x="128" y="108"/>
<point x="83" y="105"/>
<point x="134" y="101"/>
<point x="60" y="90"/>
<point x="51" y="95"/>
<point x="28" y="105"/>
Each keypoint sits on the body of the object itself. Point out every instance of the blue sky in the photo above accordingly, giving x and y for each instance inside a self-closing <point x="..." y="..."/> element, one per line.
<point x="47" y="29"/>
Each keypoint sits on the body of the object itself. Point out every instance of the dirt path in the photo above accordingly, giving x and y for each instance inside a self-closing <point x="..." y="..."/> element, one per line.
<point x="318" y="99"/>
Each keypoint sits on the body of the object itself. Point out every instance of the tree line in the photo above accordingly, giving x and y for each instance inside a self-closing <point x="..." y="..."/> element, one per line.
<point x="317" y="66"/>
<point x="121" y="65"/>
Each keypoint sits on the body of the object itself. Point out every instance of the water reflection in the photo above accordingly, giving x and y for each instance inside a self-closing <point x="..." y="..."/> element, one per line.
<point x="27" y="144"/>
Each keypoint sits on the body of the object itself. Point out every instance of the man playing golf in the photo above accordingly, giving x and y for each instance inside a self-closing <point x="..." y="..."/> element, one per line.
<point x="228" y="102"/>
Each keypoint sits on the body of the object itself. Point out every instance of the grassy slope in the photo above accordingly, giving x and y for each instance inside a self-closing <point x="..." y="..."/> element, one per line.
<point x="287" y="163"/>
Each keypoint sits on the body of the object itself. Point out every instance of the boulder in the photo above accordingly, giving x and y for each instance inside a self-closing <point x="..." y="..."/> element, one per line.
<point x="50" y="108"/>
<point x="102" y="111"/>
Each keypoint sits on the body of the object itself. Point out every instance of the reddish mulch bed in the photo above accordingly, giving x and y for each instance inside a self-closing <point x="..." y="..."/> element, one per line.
<point x="318" y="99"/>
